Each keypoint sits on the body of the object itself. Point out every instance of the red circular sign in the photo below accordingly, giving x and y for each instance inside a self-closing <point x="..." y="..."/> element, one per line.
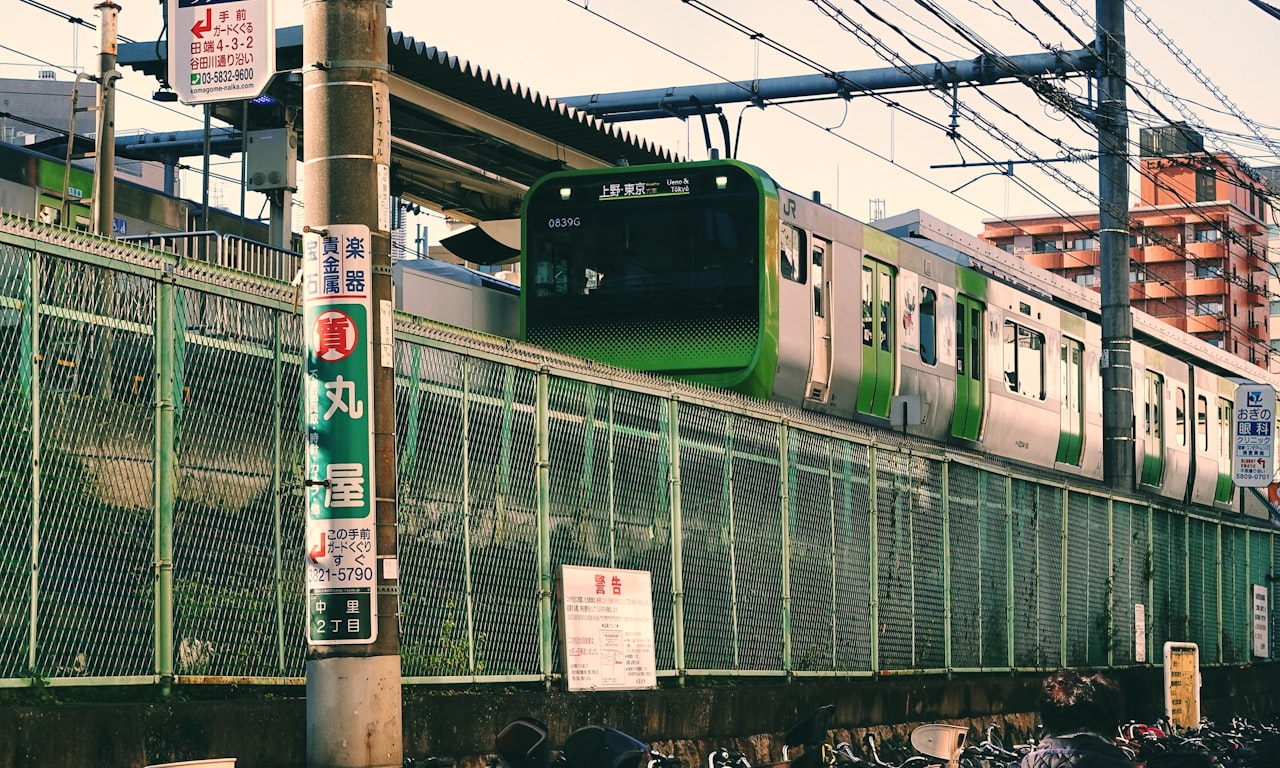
<point x="334" y="335"/>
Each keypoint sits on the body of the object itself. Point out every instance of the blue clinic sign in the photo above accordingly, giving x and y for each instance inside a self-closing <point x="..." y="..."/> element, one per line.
<point x="1253" y="457"/>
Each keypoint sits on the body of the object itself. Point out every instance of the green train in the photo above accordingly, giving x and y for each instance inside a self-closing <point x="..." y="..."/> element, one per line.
<point x="711" y="272"/>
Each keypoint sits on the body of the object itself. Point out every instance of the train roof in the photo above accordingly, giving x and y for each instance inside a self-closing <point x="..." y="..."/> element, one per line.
<point x="938" y="237"/>
<point x="457" y="273"/>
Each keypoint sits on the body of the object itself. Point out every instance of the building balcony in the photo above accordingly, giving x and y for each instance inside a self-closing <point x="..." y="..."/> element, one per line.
<point x="1154" y="254"/>
<point x="1205" y="286"/>
<point x="1212" y="249"/>
<point x="1196" y="324"/>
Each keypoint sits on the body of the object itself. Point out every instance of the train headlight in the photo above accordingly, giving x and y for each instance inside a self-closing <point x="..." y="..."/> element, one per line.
<point x="722" y="182"/>
<point x="565" y="192"/>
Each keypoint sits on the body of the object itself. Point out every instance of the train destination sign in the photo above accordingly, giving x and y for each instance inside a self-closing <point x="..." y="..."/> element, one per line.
<point x="630" y="190"/>
<point x="1253" y="464"/>
<point x="220" y="50"/>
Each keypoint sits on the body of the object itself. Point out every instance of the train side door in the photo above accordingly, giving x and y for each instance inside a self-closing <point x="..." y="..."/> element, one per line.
<point x="966" y="419"/>
<point x="820" y="361"/>
<point x="1071" y="428"/>
<point x="879" y="339"/>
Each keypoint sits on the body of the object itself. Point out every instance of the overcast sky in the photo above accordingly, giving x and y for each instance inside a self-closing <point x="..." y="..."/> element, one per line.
<point x="853" y="152"/>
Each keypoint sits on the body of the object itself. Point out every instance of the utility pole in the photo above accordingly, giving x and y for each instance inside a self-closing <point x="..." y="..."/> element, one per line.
<point x="352" y="582"/>
<point x="1118" y="446"/>
<point x="104" y="194"/>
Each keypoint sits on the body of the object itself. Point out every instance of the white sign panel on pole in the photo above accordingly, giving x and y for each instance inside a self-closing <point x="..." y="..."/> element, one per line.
<point x="1253" y="462"/>
<point x="1261" y="623"/>
<point x="220" y="50"/>
<point x="1140" y="633"/>
<point x="606" y="629"/>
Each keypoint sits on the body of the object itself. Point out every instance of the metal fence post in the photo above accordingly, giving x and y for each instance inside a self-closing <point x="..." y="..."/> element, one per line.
<point x="835" y="561"/>
<point x="467" y="574"/>
<point x="32" y="369"/>
<point x="545" y="583"/>
<point x="946" y="565"/>
<point x="673" y="502"/>
<point x="1010" y="649"/>
<point x="726" y="502"/>
<point x="1110" y="607"/>
<point x="1062" y="574"/>
<point x="1217" y="559"/>
<point x="784" y="492"/>
<point x="873" y="545"/>
<point x="277" y="478"/>
<point x="165" y="334"/>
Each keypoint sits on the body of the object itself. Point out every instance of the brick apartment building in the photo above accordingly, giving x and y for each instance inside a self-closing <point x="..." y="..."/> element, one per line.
<point x="1198" y="256"/>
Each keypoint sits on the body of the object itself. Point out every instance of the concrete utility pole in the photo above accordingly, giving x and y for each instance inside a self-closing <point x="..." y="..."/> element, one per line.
<point x="104" y="195"/>
<point x="353" y="659"/>
<point x="1113" y="241"/>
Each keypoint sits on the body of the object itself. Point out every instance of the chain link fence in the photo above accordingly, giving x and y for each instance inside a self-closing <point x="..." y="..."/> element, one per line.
<point x="151" y="463"/>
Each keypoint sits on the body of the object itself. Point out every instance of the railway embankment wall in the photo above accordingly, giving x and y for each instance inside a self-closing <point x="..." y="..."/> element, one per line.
<point x="267" y="728"/>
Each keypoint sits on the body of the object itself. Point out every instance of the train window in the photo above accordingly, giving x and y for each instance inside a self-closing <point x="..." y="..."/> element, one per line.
<point x="868" y="314"/>
<point x="928" y="326"/>
<point x="819" y="284"/>
<point x="1202" y="423"/>
<point x="793" y="246"/>
<point x="1024" y="360"/>
<point x="886" y="311"/>
<point x="1151" y="412"/>
<point x="1180" y="415"/>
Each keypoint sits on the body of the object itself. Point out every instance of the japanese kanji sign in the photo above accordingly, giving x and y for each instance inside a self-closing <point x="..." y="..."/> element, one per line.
<point x="1254" y="454"/>
<point x="341" y="552"/>
<point x="606" y="629"/>
<point x="220" y="50"/>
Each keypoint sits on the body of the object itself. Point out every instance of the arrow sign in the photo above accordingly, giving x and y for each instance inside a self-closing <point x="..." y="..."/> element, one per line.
<point x="229" y="59"/>
<point x="203" y="26"/>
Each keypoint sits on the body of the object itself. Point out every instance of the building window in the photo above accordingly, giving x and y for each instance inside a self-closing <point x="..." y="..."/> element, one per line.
<point x="1206" y="233"/>
<point x="1275" y="307"/>
<point x="1206" y="185"/>
<point x="1087" y="279"/>
<point x="1208" y="270"/>
<point x="1209" y="308"/>
<point x="1137" y="276"/>
<point x="1044" y="246"/>
<point x="1137" y="241"/>
<point x="1083" y="244"/>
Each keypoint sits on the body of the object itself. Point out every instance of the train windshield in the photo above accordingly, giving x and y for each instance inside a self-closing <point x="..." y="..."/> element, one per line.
<point x="631" y="266"/>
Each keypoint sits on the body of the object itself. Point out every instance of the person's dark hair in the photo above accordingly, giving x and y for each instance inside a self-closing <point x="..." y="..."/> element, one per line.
<point x="1071" y="701"/>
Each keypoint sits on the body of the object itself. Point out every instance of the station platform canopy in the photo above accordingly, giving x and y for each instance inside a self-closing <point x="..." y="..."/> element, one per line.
<point x="466" y="142"/>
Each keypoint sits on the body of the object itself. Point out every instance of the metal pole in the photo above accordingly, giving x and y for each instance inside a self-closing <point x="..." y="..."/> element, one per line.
<point x="353" y="687"/>
<point x="546" y="613"/>
<point x="784" y="493"/>
<point x="32" y="361"/>
<point x="873" y="554"/>
<point x="165" y="394"/>
<point x="677" y="535"/>
<point x="1113" y="240"/>
<point x="104" y="196"/>
<point x="204" y="175"/>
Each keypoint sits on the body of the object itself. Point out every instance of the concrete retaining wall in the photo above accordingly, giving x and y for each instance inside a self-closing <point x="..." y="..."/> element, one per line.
<point x="688" y="721"/>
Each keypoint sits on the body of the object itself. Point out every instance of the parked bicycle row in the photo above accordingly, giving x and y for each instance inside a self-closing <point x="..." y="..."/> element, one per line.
<point x="1079" y="728"/>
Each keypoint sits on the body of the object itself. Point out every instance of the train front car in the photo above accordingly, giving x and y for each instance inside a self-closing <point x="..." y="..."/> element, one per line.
<point x="656" y="268"/>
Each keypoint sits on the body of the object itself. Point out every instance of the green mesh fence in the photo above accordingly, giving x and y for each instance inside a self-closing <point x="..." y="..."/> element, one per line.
<point x="773" y="546"/>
